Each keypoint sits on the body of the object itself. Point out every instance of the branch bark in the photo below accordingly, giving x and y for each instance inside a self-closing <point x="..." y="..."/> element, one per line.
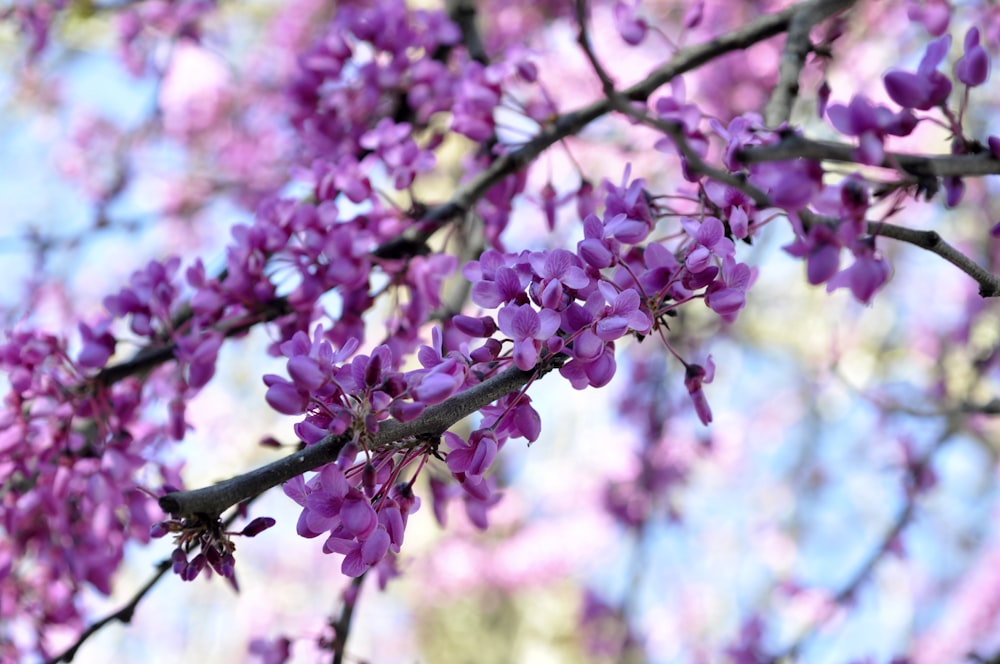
<point x="434" y="421"/>
<point x="793" y="57"/>
<point x="794" y="147"/>
<point x="989" y="283"/>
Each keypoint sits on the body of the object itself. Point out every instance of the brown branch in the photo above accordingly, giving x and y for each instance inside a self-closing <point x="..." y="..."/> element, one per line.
<point x="989" y="283"/>
<point x="433" y="421"/>
<point x="794" y="147"/>
<point x="463" y="14"/>
<point x="793" y="57"/>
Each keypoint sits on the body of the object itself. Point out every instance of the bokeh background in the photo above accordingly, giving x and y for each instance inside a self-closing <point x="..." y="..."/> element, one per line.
<point x="841" y="507"/>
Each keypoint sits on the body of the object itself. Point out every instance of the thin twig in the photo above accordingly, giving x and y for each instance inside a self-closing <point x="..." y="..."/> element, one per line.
<point x="123" y="615"/>
<point x="989" y="284"/>
<point x="342" y="628"/>
<point x="885" y="544"/>
<point x="463" y="14"/>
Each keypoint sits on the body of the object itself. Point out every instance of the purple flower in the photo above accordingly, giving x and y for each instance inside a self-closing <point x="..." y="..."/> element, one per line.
<point x="866" y="275"/>
<point x="622" y="314"/>
<point x="710" y="241"/>
<point x="257" y="526"/>
<point x="954" y="189"/>
<point x="727" y="296"/>
<point x="629" y="24"/>
<point x="527" y="328"/>
<point x="597" y="249"/>
<point x="284" y="397"/>
<point x="596" y="372"/>
<point x="494" y="283"/>
<point x="439" y="383"/>
<point x="696" y="375"/>
<point x="98" y="344"/>
<point x="198" y="350"/>
<point x="357" y="514"/>
<point x="934" y="14"/>
<point x="478" y="499"/>
<point x="481" y="327"/>
<point x="694" y="14"/>
<point x="789" y="184"/>
<point x="322" y="498"/>
<point x="821" y="249"/>
<point x="627" y="216"/>
<point x="272" y="652"/>
<point x="474" y="458"/>
<point x="559" y="270"/>
<point x="674" y="110"/>
<point x="871" y="124"/>
<point x="994" y="145"/>
<point x="973" y="68"/>
<point x="393" y="145"/>
<point x="661" y="268"/>
<point x="477" y="94"/>
<point x="927" y="87"/>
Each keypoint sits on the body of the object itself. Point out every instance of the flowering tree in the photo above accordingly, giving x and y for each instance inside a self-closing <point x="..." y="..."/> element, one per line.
<point x="441" y="221"/>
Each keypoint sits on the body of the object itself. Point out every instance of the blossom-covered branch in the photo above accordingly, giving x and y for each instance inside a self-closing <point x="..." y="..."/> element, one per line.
<point x="434" y="421"/>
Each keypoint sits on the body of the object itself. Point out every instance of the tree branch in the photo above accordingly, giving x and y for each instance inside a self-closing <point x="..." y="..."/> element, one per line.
<point x="793" y="57"/>
<point x="794" y="147"/>
<point x="884" y="546"/>
<point x="989" y="284"/>
<point x="123" y="614"/>
<point x="434" y="421"/>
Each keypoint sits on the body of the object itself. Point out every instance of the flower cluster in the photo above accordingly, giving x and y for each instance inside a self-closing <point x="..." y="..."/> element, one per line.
<point x="70" y="494"/>
<point x="374" y="65"/>
<point x="215" y="546"/>
<point x="845" y="204"/>
<point x="553" y="309"/>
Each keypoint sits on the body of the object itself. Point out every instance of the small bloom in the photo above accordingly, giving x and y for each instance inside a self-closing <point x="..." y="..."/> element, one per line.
<point x="973" y="68"/>
<point x="867" y="274"/>
<point x="630" y="25"/>
<point x="695" y="376"/>
<point x="927" y="87"/>
<point x="527" y="328"/>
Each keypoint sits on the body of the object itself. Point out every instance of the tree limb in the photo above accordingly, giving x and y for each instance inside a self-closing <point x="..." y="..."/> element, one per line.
<point x="989" y="283"/>
<point x="793" y="57"/>
<point x="794" y="147"/>
<point x="123" y="614"/>
<point x="434" y="421"/>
